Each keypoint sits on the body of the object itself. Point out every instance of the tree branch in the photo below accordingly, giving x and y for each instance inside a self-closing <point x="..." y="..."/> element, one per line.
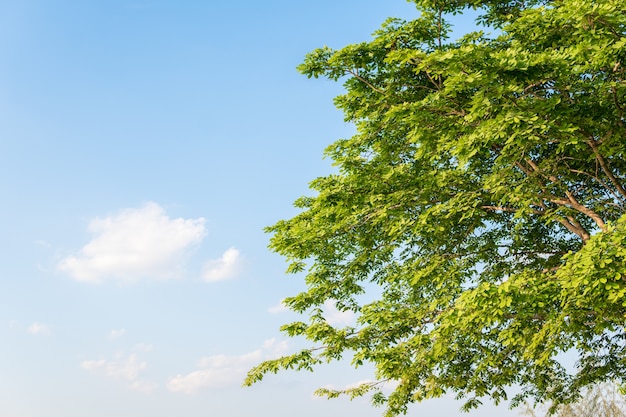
<point x="571" y="201"/>
<point x="356" y="75"/>
<point x="620" y="110"/>
<point x="605" y="167"/>
<point x="604" y="185"/>
<point x="510" y="209"/>
<point x="573" y="226"/>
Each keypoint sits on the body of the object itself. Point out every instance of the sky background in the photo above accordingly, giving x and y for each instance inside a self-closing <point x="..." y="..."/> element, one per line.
<point x="144" y="146"/>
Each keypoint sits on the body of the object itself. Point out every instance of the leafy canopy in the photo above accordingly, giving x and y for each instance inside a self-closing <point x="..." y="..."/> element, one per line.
<point x="483" y="195"/>
<point x="602" y="400"/>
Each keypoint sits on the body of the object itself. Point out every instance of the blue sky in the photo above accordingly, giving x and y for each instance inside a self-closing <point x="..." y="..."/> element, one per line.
<point x="144" y="145"/>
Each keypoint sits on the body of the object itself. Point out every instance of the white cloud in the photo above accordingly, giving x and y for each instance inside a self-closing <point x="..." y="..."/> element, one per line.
<point x="133" y="244"/>
<point x="222" y="370"/>
<point x="358" y="384"/>
<point x="38" y="329"/>
<point x="225" y="361"/>
<point x="116" y="333"/>
<point x="334" y="316"/>
<point x="223" y="268"/>
<point x="143" y="347"/>
<point x="205" y="378"/>
<point x="143" y="386"/>
<point x="273" y="348"/>
<point x="125" y="369"/>
<point x="278" y="308"/>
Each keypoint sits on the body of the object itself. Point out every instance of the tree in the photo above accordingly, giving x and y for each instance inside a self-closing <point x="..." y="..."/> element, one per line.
<point x="601" y="400"/>
<point x="483" y="195"/>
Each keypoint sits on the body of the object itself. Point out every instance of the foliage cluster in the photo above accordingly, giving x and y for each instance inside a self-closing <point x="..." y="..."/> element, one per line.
<point x="484" y="194"/>
<point x="602" y="400"/>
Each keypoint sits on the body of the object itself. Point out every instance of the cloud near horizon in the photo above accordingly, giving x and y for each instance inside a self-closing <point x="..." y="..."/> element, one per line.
<point x="37" y="328"/>
<point x="219" y="371"/>
<point x="126" y="369"/>
<point x="133" y="244"/>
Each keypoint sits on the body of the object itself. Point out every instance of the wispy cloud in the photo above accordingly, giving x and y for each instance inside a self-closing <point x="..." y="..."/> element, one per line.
<point x="38" y="329"/>
<point x="278" y="308"/>
<point x="223" y="268"/>
<point x="223" y="370"/>
<point x="143" y="347"/>
<point x="116" y="333"/>
<point x="133" y="244"/>
<point x="43" y="243"/>
<point x="142" y="386"/>
<point x="126" y="369"/>
<point x="334" y="316"/>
